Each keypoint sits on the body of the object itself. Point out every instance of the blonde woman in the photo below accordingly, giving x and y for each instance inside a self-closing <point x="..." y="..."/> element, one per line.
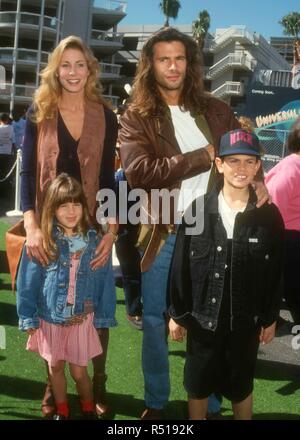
<point x="71" y="129"/>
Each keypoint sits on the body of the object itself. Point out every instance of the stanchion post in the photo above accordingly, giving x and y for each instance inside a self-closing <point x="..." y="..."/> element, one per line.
<point x="17" y="211"/>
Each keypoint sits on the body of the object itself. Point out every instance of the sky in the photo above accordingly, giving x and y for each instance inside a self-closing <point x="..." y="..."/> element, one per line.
<point x="261" y="16"/>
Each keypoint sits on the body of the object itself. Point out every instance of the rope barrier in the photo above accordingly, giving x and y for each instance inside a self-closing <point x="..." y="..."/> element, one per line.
<point x="17" y="211"/>
<point x="10" y="172"/>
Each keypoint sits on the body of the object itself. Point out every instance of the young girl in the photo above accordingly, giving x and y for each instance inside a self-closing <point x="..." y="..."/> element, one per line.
<point x="224" y="282"/>
<point x="59" y="304"/>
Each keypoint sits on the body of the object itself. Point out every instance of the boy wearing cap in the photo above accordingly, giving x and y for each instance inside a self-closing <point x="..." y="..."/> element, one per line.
<point x="224" y="282"/>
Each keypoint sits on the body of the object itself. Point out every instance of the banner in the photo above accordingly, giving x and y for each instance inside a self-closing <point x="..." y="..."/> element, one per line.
<point x="273" y="111"/>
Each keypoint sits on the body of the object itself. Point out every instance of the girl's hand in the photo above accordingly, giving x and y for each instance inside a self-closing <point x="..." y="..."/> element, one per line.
<point x="267" y="334"/>
<point x="34" y="245"/>
<point x="31" y="331"/>
<point x="76" y="319"/>
<point x="177" y="333"/>
<point x="103" y="251"/>
<point x="262" y="194"/>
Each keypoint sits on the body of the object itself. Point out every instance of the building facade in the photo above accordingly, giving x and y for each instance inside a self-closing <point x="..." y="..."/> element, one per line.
<point x="30" y="29"/>
<point x="284" y="46"/>
<point x="230" y="55"/>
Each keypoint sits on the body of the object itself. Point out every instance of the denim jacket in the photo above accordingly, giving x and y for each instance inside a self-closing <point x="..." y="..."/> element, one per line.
<point x="42" y="291"/>
<point x="197" y="275"/>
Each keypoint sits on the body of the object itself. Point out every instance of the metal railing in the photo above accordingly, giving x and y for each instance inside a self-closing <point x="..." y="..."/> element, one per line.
<point x="273" y="142"/>
<point x="235" y="32"/>
<point x="28" y="18"/>
<point x="231" y="60"/>
<point x="106" y="36"/>
<point x="23" y="91"/>
<point x="110" y="69"/>
<point x="229" y="88"/>
<point x="27" y="55"/>
<point x="113" y="5"/>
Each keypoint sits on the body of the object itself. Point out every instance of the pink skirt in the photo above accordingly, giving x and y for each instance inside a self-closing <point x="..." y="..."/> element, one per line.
<point x="76" y="344"/>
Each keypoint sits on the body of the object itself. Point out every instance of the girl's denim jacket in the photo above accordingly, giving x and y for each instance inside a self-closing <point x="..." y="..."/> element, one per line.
<point x="42" y="291"/>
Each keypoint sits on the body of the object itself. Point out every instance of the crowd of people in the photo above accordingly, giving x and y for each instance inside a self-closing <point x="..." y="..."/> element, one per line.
<point x="217" y="285"/>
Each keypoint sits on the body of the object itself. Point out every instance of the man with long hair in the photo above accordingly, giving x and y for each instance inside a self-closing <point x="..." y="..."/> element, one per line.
<point x="167" y="140"/>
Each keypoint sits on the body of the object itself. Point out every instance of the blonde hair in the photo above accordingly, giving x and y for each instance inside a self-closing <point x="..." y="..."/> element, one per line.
<point x="246" y="124"/>
<point x="46" y="96"/>
<point x="62" y="190"/>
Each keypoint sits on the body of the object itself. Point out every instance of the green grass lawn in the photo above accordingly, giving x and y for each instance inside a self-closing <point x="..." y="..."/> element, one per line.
<point x="22" y="374"/>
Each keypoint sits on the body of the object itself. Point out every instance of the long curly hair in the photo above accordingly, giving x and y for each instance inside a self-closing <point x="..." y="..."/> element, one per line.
<point x="46" y="96"/>
<point x="146" y="98"/>
<point x="63" y="189"/>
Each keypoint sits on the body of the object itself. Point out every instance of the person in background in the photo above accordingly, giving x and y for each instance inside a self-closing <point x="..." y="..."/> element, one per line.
<point x="225" y="282"/>
<point x="283" y="184"/>
<point x="19" y="123"/>
<point x="7" y="151"/>
<point x="246" y="123"/>
<point x="129" y="259"/>
<point x="70" y="128"/>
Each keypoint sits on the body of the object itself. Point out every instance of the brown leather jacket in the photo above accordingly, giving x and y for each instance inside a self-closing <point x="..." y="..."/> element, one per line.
<point x="90" y="150"/>
<point x="152" y="158"/>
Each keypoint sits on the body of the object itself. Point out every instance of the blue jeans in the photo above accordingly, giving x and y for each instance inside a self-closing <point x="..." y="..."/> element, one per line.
<point x="214" y="403"/>
<point x="129" y="258"/>
<point x="155" y="348"/>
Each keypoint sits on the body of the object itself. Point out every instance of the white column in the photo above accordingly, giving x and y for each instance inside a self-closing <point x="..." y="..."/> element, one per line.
<point x="15" y="56"/>
<point x="39" y="53"/>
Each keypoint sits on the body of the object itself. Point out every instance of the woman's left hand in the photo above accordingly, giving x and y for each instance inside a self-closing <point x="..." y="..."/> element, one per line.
<point x="103" y="251"/>
<point x="262" y="194"/>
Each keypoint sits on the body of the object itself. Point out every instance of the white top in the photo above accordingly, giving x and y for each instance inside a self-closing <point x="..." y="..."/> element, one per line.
<point x="6" y="139"/>
<point x="189" y="138"/>
<point x="227" y="215"/>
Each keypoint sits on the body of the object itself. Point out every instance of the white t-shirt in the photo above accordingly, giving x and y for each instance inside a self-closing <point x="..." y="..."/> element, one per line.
<point x="6" y="139"/>
<point x="189" y="138"/>
<point x="227" y="214"/>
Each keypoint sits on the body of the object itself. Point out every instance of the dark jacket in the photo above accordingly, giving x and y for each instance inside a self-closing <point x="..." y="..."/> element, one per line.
<point x="197" y="274"/>
<point x="152" y="159"/>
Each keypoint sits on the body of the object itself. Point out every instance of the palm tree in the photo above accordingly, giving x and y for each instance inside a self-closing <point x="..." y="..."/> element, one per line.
<point x="170" y="9"/>
<point x="200" y="27"/>
<point x="291" y="24"/>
